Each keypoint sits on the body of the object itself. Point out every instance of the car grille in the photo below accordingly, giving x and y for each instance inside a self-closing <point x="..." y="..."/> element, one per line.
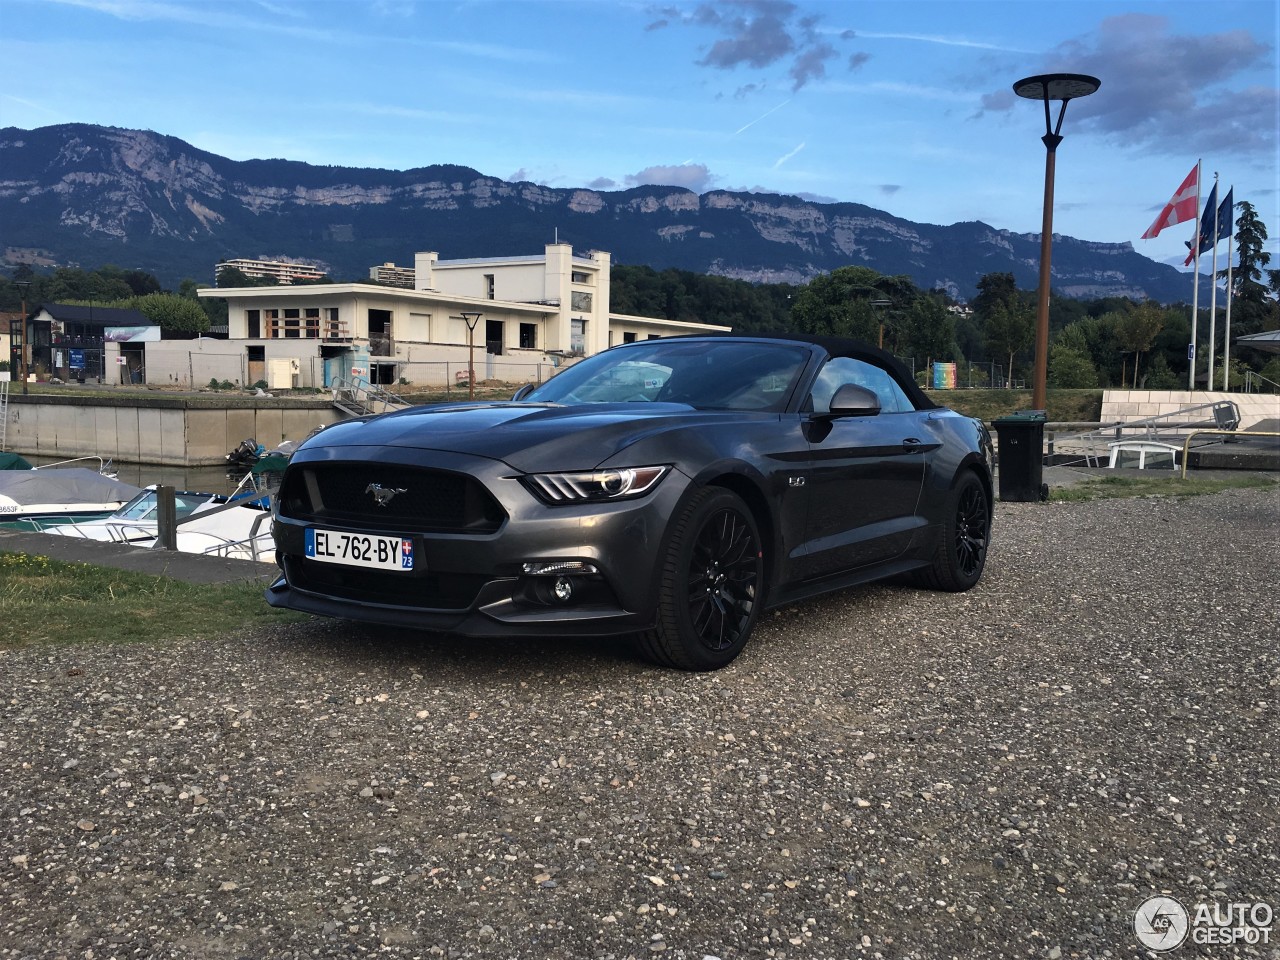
<point x="426" y="501"/>
<point x="429" y="592"/>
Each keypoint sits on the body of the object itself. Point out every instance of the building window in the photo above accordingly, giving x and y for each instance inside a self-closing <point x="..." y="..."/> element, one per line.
<point x="253" y="319"/>
<point x="578" y="336"/>
<point x="312" y="316"/>
<point x="628" y="337"/>
<point x="488" y="285"/>
<point x="528" y="336"/>
<point x="578" y="277"/>
<point x="494" y="336"/>
<point x="272" y="317"/>
<point x="580" y="301"/>
<point x="292" y="327"/>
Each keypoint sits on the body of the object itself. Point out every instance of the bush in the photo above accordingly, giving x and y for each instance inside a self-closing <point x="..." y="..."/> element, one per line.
<point x="1070" y="368"/>
<point x="227" y="385"/>
<point x="259" y="385"/>
<point x="214" y="384"/>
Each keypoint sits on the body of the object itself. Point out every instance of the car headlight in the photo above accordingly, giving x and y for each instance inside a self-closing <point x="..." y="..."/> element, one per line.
<point x="594" y="485"/>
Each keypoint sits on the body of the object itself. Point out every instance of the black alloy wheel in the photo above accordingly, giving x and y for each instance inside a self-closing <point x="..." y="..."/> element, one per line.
<point x="973" y="525"/>
<point x="710" y="586"/>
<point x="960" y="553"/>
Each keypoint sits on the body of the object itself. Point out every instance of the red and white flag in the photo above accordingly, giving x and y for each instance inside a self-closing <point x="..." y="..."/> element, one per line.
<point x="1181" y="207"/>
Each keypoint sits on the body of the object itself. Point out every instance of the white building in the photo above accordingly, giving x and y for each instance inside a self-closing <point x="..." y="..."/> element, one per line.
<point x="281" y="271"/>
<point x="519" y="317"/>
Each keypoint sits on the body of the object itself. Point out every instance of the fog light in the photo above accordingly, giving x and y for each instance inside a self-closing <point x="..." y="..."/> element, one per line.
<point x="563" y="589"/>
<point x="546" y="568"/>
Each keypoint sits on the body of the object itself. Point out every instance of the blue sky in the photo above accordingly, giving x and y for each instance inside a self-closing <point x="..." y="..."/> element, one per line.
<point x="903" y="106"/>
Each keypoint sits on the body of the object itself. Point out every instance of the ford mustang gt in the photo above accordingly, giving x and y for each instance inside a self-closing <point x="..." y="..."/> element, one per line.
<point x="671" y="489"/>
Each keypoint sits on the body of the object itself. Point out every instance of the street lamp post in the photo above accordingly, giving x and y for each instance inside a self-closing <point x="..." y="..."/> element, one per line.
<point x="471" y="319"/>
<point x="878" y="302"/>
<point x="1046" y="87"/>
<point x="880" y="306"/>
<point x="22" y="286"/>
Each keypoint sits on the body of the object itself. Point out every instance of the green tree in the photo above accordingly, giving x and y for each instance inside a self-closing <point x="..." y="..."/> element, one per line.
<point x="1251" y="257"/>
<point x="1070" y="368"/>
<point x="171" y="312"/>
<point x="1010" y="329"/>
<point x="928" y="330"/>
<point x="839" y="303"/>
<point x="994" y="290"/>
<point x="1136" y="330"/>
<point x="1160" y="376"/>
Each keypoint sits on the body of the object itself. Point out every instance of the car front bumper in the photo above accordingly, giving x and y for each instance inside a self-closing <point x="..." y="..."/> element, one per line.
<point x="474" y="584"/>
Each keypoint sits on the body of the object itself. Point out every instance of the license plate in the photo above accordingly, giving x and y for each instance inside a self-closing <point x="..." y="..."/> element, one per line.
<point x="359" y="549"/>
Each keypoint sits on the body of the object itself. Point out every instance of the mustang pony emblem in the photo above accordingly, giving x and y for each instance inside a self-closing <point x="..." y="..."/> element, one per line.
<point x="382" y="495"/>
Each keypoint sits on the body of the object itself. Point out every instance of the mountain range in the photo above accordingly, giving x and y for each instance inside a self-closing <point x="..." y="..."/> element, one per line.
<point x="85" y="195"/>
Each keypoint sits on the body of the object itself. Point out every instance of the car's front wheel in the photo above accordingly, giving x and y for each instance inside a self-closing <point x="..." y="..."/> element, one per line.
<point x="960" y="554"/>
<point x="710" y="584"/>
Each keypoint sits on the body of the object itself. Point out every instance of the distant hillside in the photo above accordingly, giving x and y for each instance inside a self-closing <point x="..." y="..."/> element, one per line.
<point x="85" y="195"/>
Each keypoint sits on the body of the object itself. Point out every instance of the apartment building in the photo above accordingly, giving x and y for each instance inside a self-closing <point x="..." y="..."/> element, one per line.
<point x="281" y="271"/>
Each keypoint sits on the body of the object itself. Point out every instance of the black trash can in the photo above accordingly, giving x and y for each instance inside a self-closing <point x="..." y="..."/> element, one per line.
<point x="1020" y="456"/>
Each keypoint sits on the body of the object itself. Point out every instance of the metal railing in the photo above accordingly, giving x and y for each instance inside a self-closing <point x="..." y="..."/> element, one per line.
<point x="1250" y="379"/>
<point x="4" y="413"/>
<point x="1093" y="446"/>
<point x="1186" y="444"/>
<point x="357" y="397"/>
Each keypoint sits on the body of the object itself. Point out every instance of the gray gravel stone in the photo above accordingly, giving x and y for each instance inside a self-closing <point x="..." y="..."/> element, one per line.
<point x="885" y="772"/>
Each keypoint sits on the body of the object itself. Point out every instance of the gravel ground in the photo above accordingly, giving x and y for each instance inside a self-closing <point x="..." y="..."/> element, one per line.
<point x="885" y="772"/>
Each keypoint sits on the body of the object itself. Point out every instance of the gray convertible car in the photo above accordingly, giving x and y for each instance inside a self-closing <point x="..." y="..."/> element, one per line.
<point x="671" y="489"/>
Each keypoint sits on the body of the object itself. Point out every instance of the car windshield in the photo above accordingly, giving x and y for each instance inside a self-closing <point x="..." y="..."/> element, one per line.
<point x="145" y="504"/>
<point x="705" y="374"/>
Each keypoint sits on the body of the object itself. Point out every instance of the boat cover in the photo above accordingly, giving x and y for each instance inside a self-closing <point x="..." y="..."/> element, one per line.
<point x="71" y="485"/>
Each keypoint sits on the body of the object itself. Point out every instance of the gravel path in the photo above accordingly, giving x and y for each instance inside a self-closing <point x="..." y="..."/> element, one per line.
<point x="885" y="772"/>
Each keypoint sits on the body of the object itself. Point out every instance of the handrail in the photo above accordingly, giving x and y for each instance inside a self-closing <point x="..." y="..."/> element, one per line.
<point x="1151" y="428"/>
<point x="1250" y="376"/>
<point x="1186" y="445"/>
<point x="365" y="395"/>
<point x="104" y="466"/>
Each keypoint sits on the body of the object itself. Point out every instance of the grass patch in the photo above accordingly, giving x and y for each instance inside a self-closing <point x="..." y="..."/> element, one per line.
<point x="1167" y="486"/>
<point x="44" y="601"/>
<point x="1063" y="406"/>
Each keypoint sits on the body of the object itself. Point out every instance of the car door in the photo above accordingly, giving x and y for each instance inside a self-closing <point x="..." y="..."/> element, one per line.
<point x="864" y="475"/>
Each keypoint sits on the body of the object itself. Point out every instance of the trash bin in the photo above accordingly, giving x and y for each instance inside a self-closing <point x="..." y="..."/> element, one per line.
<point x="1020" y="456"/>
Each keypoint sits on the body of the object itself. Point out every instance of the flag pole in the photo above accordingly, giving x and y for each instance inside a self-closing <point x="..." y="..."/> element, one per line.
<point x="1226" y="340"/>
<point x="1195" y="290"/>
<point x="1213" y="282"/>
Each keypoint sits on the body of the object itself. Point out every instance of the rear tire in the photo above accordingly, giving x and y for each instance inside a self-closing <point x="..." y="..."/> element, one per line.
<point x="709" y="586"/>
<point x="960" y="554"/>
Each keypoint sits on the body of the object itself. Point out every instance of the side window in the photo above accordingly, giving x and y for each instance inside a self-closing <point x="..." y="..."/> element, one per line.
<point x="841" y="370"/>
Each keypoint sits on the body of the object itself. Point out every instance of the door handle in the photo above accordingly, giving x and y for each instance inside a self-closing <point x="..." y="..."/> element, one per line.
<point x="912" y="445"/>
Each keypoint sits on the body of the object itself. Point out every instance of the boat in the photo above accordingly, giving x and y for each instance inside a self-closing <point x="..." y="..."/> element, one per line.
<point x="44" y="496"/>
<point x="236" y="525"/>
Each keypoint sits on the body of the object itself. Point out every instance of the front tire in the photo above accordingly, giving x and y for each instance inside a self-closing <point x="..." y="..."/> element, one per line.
<point x="710" y="584"/>
<point x="960" y="554"/>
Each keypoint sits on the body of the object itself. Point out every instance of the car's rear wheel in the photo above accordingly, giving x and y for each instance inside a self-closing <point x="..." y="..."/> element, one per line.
<point x="961" y="550"/>
<point x="710" y="584"/>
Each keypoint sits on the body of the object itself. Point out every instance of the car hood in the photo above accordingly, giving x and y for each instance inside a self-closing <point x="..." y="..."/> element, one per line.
<point x="528" y="436"/>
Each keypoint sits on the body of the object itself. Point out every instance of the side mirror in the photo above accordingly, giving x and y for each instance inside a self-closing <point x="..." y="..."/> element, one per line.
<point x="852" y="400"/>
<point x="523" y="392"/>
